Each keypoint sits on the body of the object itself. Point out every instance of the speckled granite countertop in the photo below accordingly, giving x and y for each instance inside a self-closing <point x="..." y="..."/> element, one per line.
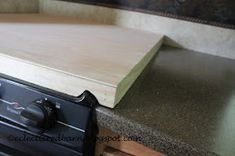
<point x="183" y="104"/>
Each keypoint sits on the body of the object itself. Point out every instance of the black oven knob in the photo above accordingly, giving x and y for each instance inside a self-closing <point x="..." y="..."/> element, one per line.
<point x="39" y="116"/>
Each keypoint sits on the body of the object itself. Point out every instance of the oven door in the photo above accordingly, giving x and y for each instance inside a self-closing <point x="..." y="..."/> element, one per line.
<point x="16" y="141"/>
<point x="8" y="151"/>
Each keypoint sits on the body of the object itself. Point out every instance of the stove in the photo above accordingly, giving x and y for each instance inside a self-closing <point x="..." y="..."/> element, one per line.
<point x="39" y="121"/>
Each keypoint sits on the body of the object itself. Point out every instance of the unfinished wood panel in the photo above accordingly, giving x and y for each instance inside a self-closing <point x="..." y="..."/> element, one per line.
<point x="128" y="147"/>
<point x="105" y="56"/>
<point x="112" y="152"/>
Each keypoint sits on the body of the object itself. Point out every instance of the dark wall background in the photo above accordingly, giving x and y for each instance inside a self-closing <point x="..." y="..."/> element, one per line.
<point x="214" y="12"/>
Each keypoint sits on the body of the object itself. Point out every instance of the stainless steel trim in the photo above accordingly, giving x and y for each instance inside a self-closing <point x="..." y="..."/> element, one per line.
<point x="70" y="126"/>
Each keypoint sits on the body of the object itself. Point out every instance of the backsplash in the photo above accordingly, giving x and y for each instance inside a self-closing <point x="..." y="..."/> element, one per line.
<point x="214" y="12"/>
<point x="180" y="33"/>
<point x="19" y="6"/>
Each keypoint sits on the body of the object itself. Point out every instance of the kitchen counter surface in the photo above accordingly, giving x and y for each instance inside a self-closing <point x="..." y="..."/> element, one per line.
<point x="182" y="104"/>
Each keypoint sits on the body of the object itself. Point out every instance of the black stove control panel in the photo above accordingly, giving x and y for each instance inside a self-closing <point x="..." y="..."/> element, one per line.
<point x="50" y="121"/>
<point x="39" y="115"/>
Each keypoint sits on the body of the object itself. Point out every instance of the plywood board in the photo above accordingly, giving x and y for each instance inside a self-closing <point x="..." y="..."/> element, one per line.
<point x="71" y="56"/>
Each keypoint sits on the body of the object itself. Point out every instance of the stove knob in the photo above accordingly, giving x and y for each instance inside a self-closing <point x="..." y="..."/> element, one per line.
<point x="39" y="115"/>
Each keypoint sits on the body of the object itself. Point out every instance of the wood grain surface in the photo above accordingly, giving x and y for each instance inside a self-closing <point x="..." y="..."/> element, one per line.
<point x="112" y="144"/>
<point x="71" y="56"/>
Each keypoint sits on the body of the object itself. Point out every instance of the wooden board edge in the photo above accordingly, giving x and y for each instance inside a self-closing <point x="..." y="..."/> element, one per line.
<point x="130" y="78"/>
<point x="56" y="80"/>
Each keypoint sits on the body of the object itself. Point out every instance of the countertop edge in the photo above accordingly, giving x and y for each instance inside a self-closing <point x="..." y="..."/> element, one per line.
<point x="150" y="138"/>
